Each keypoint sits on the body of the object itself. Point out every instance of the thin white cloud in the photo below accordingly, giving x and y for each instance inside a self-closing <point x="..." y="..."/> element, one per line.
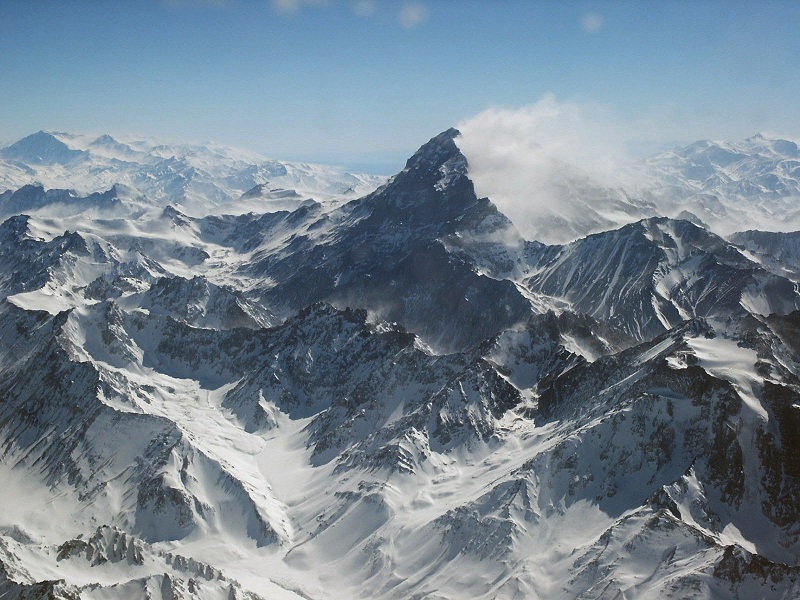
<point x="187" y="3"/>
<point x="364" y="8"/>
<point x="412" y="14"/>
<point x="592" y="22"/>
<point x="287" y="7"/>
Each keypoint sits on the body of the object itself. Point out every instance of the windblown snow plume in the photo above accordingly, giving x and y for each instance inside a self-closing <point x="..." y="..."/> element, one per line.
<point x="555" y="168"/>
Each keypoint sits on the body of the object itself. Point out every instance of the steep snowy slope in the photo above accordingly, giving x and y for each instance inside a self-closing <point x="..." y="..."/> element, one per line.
<point x="649" y="276"/>
<point x="776" y="252"/>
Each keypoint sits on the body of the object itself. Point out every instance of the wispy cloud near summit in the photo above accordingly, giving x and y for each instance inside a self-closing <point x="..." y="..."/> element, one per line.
<point x="526" y="160"/>
<point x="580" y="133"/>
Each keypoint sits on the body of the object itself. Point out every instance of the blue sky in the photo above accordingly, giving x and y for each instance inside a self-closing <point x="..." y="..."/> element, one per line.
<point x="365" y="82"/>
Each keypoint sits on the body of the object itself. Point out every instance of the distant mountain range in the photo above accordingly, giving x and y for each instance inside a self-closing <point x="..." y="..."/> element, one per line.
<point x="194" y="177"/>
<point x="228" y="377"/>
<point x="752" y="184"/>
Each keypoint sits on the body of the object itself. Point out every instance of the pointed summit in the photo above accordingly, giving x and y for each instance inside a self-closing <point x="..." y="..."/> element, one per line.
<point x="412" y="244"/>
<point x="432" y="190"/>
<point x="435" y="152"/>
<point x="40" y="148"/>
<point x="104" y="139"/>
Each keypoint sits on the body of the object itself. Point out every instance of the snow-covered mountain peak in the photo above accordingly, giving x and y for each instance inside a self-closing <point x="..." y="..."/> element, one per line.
<point x="777" y="145"/>
<point x="41" y="148"/>
<point x="722" y="154"/>
<point x="15" y="228"/>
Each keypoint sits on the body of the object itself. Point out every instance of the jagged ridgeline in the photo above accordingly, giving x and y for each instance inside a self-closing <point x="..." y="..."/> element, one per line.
<point x="227" y="377"/>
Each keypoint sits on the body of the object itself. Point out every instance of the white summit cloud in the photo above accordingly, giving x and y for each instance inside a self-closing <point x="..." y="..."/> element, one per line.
<point x="527" y="159"/>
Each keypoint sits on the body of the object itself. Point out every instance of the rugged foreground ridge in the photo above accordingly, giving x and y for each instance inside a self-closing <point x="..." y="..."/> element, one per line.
<point x="393" y="396"/>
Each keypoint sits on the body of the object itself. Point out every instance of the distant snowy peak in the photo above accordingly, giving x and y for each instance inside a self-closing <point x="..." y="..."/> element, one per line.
<point x="200" y="178"/>
<point x="119" y="201"/>
<point x="40" y="148"/>
<point x="761" y="161"/>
